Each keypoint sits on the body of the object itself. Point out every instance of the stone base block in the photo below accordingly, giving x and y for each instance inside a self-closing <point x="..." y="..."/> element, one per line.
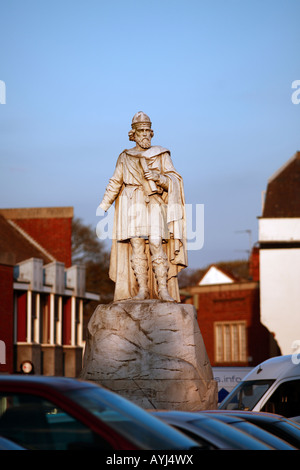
<point x="152" y="353"/>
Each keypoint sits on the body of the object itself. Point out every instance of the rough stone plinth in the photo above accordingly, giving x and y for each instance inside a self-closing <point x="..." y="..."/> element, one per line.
<point x="152" y="353"/>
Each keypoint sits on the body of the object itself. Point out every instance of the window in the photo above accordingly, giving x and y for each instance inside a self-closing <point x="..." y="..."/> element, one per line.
<point x="285" y="400"/>
<point x="37" y="424"/>
<point x="246" y="395"/>
<point x="230" y="342"/>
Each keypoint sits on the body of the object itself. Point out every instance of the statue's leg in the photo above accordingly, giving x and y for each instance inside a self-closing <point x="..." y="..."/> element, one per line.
<point x="160" y="267"/>
<point x="139" y="265"/>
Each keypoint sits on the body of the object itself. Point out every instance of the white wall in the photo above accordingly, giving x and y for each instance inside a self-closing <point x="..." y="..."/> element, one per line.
<point x="280" y="295"/>
<point x="279" y="230"/>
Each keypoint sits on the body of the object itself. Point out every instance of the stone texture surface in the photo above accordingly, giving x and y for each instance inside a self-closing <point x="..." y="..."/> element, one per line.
<point x="151" y="352"/>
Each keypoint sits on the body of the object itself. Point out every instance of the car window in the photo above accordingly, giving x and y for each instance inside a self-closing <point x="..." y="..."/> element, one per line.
<point x="285" y="400"/>
<point x="246" y="395"/>
<point x="38" y="424"/>
<point x="145" y="431"/>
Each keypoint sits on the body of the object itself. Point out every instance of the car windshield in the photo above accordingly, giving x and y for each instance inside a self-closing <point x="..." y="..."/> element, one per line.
<point x="246" y="395"/>
<point x="134" y="423"/>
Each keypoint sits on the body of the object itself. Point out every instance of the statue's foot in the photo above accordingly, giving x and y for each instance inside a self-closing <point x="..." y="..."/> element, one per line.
<point x="164" y="295"/>
<point x="143" y="294"/>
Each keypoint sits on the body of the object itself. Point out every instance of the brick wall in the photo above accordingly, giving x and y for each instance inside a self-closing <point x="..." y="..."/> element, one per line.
<point x="6" y="315"/>
<point x="51" y="227"/>
<point x="54" y="234"/>
<point x="254" y="264"/>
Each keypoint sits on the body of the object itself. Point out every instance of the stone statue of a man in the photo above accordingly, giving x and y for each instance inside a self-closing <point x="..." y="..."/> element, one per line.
<point x="149" y="235"/>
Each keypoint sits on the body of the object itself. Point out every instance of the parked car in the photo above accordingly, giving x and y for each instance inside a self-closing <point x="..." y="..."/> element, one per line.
<point x="284" y="428"/>
<point x="6" y="444"/>
<point x="211" y="433"/>
<point x="273" y="386"/>
<point x="237" y="421"/>
<point x="296" y="419"/>
<point x="59" y="413"/>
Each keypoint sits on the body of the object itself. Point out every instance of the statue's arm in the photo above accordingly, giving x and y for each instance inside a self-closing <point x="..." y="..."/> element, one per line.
<point x="113" y="187"/>
<point x="167" y="168"/>
<point x="161" y="177"/>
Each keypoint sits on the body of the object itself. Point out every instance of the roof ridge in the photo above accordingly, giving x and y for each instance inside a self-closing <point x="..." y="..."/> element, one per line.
<point x="38" y="212"/>
<point x="223" y="271"/>
<point x="284" y="166"/>
<point x="31" y="239"/>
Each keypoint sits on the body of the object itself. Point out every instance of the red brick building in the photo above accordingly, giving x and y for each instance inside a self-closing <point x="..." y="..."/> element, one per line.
<point x="41" y="293"/>
<point x="228" y="312"/>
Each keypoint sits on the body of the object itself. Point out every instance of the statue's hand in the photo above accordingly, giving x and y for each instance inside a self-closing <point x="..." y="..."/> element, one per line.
<point x="103" y="206"/>
<point x="151" y="175"/>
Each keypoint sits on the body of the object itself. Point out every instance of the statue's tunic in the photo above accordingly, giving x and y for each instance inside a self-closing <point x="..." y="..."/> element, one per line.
<point x="141" y="213"/>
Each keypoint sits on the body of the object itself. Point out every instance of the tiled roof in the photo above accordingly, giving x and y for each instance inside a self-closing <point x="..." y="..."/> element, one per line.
<point x="16" y="246"/>
<point x="283" y="191"/>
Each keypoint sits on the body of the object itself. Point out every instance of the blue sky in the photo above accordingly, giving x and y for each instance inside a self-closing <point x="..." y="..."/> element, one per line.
<point x="215" y="77"/>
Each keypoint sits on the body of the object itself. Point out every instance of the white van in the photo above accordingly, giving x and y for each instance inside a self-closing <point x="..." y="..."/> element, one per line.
<point x="273" y="386"/>
<point x="227" y="378"/>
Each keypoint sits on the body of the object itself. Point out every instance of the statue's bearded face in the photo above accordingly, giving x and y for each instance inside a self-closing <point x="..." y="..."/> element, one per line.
<point x="143" y="137"/>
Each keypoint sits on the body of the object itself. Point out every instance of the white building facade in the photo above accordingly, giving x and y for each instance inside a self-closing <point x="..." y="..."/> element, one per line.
<point x="279" y="241"/>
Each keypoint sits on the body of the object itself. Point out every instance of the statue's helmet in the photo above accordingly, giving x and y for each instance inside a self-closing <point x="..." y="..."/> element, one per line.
<point x="140" y="119"/>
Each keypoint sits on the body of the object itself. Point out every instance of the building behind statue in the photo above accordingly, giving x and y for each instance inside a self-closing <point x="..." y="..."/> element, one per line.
<point x="42" y="294"/>
<point x="247" y="319"/>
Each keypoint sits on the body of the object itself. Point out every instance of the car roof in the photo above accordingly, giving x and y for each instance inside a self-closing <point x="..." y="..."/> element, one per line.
<point x="188" y="421"/>
<point x="178" y="414"/>
<point x="59" y="383"/>
<point x="254" y="416"/>
<point x="189" y="416"/>
<point x="245" y="413"/>
<point x="274" y="368"/>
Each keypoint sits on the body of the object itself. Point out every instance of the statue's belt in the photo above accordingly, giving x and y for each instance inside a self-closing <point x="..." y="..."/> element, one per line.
<point x="147" y="191"/>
